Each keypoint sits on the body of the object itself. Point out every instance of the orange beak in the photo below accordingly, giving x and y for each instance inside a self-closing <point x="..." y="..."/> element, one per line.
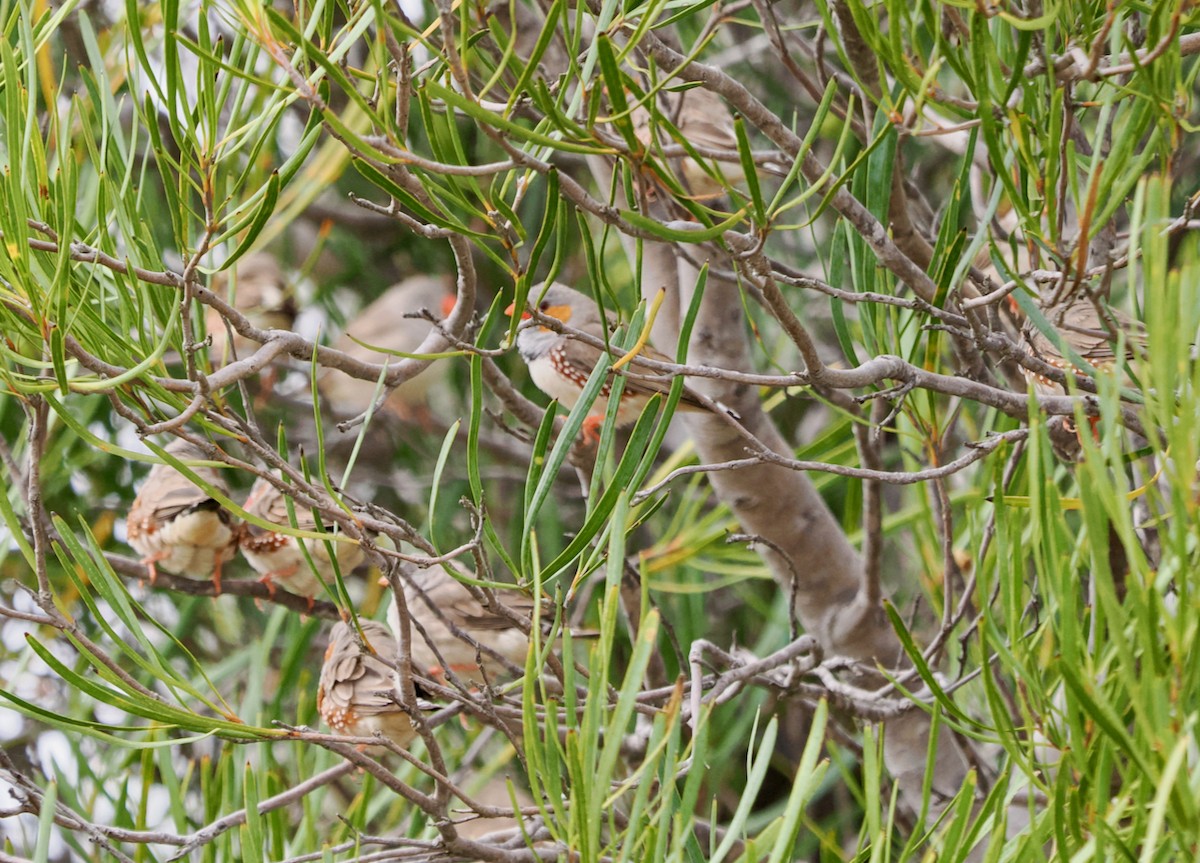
<point x="448" y="303"/>
<point x="512" y="308"/>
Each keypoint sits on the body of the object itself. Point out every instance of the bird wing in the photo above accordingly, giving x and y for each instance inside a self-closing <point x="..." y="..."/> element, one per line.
<point x="168" y="493"/>
<point x="660" y="382"/>
<point x="167" y="511"/>
<point x="353" y="680"/>
<point x="1096" y="343"/>
<point x="462" y="609"/>
<point x="1089" y="335"/>
<point x="270" y="504"/>
<point x="583" y="358"/>
<point x="475" y="616"/>
<point x="360" y="683"/>
<point x="705" y="119"/>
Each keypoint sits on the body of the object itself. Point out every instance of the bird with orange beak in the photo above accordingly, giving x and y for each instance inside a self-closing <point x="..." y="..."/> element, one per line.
<point x="561" y="365"/>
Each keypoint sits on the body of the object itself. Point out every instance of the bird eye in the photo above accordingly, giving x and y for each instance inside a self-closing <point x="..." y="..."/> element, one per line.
<point x="544" y="306"/>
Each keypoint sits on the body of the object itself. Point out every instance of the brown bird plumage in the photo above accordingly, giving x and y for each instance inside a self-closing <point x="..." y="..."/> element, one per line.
<point x="356" y="693"/>
<point x="278" y="557"/>
<point x="560" y="366"/>
<point x="177" y="526"/>
<point x="1088" y="334"/>
<point x="705" y="122"/>
<point x="383" y="324"/>
<point x="441" y="605"/>
<point x="1082" y="328"/>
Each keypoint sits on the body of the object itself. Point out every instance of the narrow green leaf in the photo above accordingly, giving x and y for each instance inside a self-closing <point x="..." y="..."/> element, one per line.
<point x="750" y="171"/>
<point x="262" y="215"/>
<point x="489" y="118"/>
<point x="253" y="841"/>
<point x="808" y="776"/>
